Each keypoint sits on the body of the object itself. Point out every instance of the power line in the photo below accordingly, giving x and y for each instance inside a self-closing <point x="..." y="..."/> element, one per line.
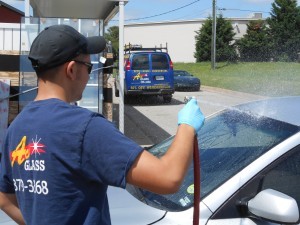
<point x="170" y="11"/>
<point x="192" y="15"/>
<point x="242" y="10"/>
<point x="246" y="10"/>
<point x="147" y="17"/>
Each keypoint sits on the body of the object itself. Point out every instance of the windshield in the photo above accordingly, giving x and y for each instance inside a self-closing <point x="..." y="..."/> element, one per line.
<point x="228" y="142"/>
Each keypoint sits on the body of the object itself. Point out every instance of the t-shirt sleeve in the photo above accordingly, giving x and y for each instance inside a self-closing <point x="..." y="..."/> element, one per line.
<point x="6" y="182"/>
<point x="107" y="153"/>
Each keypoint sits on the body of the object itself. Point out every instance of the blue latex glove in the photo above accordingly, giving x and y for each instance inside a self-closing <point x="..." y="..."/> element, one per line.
<point x="191" y="114"/>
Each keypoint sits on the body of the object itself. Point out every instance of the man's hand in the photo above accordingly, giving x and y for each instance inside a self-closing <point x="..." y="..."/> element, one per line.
<point x="191" y="114"/>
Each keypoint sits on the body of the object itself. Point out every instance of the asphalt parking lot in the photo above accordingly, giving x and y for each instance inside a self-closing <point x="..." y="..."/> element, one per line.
<point x="148" y="120"/>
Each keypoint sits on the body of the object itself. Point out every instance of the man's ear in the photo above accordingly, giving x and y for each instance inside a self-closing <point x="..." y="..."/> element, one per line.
<point x="71" y="70"/>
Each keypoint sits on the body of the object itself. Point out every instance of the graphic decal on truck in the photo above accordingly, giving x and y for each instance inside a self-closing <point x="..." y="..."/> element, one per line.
<point x="139" y="76"/>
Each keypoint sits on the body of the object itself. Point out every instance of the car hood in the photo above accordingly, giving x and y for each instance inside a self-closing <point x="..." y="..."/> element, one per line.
<point x="127" y="210"/>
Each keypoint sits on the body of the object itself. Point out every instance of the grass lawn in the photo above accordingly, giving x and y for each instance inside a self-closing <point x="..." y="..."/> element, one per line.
<point x="266" y="78"/>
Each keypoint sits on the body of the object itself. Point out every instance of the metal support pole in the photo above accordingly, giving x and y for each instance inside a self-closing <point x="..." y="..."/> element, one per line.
<point x="108" y="84"/>
<point x="121" y="66"/>
<point x="27" y="8"/>
<point x="27" y="11"/>
<point x="214" y="34"/>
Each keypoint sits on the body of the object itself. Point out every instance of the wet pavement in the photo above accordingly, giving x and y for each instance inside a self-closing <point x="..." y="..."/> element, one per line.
<point x="148" y="120"/>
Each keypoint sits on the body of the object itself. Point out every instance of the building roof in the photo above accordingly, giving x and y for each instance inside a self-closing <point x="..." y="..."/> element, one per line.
<point x="200" y="20"/>
<point x="87" y="9"/>
<point x="11" y="8"/>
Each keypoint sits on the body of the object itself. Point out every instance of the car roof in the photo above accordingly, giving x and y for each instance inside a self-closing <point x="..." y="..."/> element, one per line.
<point x="180" y="71"/>
<point x="147" y="52"/>
<point x="286" y="109"/>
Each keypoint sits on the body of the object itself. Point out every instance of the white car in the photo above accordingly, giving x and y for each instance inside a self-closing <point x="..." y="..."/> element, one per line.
<point x="250" y="172"/>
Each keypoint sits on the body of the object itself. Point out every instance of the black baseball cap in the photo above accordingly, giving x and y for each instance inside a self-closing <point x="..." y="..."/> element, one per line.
<point x="58" y="44"/>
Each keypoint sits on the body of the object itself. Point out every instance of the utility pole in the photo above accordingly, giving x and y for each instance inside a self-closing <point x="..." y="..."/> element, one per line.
<point x="213" y="41"/>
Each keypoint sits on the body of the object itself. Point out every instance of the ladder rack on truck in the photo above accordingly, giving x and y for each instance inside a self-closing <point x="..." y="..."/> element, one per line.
<point x="137" y="48"/>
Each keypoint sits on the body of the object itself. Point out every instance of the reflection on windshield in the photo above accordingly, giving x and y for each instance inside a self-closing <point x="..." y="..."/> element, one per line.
<point x="228" y="142"/>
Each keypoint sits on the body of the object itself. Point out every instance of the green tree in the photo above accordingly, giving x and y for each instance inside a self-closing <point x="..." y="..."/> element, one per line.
<point x="203" y="42"/>
<point x="225" y="48"/>
<point x="256" y="45"/>
<point x="284" y="24"/>
<point x="112" y="35"/>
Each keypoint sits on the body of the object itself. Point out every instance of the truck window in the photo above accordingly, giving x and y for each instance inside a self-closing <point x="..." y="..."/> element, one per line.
<point x="159" y="62"/>
<point x="140" y="62"/>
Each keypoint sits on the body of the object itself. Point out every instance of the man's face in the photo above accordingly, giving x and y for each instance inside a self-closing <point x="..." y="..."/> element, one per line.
<point x="82" y="77"/>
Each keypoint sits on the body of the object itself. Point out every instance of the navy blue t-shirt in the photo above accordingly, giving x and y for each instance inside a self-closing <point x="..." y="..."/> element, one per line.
<point x="59" y="159"/>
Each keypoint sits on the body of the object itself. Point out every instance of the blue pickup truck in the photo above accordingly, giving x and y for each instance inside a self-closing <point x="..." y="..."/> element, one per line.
<point x="148" y="71"/>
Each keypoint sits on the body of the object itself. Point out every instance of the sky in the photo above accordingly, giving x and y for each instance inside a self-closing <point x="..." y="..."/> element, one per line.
<point x="135" y="10"/>
<point x="142" y="11"/>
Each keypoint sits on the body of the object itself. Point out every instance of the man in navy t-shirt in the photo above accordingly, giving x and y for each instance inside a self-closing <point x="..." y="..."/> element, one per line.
<point x="58" y="159"/>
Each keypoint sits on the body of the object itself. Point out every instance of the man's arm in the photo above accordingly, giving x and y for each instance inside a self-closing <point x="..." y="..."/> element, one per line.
<point x="9" y="204"/>
<point x="164" y="175"/>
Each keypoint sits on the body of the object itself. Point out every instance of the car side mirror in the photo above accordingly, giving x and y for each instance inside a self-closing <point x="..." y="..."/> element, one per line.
<point x="274" y="206"/>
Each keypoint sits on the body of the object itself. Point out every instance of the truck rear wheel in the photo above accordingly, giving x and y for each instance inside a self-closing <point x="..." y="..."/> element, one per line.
<point x="167" y="98"/>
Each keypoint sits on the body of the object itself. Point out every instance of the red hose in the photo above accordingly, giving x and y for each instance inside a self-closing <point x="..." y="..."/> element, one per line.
<point x="196" y="183"/>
